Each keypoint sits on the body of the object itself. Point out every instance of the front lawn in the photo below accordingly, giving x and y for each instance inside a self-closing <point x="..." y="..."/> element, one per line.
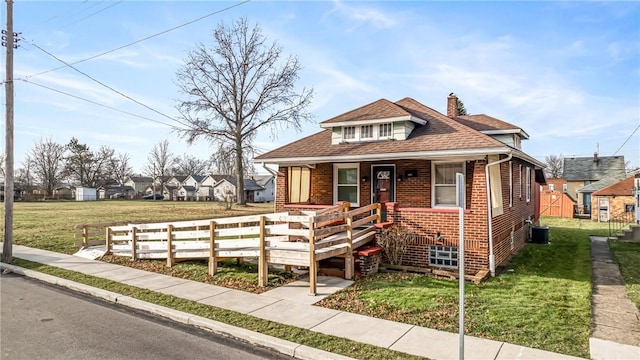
<point x="541" y="299"/>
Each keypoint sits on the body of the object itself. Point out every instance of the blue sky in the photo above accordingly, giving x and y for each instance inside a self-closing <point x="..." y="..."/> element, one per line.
<point x="568" y="73"/>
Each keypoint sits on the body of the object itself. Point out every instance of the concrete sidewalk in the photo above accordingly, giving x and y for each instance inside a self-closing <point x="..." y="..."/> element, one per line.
<point x="289" y="305"/>
<point x="616" y="333"/>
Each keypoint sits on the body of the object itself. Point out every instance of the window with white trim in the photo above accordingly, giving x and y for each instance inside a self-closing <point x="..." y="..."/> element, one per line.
<point x="510" y="183"/>
<point x="551" y="187"/>
<point x="520" y="181"/>
<point x="443" y="256"/>
<point x="385" y="130"/>
<point x="349" y="133"/>
<point x="444" y="183"/>
<point x="565" y="187"/>
<point x="346" y="184"/>
<point x="528" y="183"/>
<point x="366" y="132"/>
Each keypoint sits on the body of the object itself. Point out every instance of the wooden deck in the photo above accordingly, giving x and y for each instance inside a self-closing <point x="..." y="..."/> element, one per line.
<point x="301" y="239"/>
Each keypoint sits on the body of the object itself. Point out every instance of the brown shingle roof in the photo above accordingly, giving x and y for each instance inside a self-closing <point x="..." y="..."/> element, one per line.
<point x="482" y="122"/>
<point x="380" y="109"/>
<point x="622" y="187"/>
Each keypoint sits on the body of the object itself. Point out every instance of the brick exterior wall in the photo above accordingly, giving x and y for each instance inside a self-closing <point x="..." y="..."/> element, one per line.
<point x="413" y="210"/>
<point x="616" y="205"/>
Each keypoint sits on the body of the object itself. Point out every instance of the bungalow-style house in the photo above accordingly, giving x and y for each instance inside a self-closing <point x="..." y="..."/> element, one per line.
<point x="206" y="191"/>
<point x="555" y="200"/>
<point x="139" y="184"/>
<point x="405" y="155"/>
<point x="583" y="171"/>
<point x="195" y="181"/>
<point x="616" y="200"/>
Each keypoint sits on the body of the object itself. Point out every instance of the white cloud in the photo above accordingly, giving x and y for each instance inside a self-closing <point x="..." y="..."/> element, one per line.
<point x="361" y="15"/>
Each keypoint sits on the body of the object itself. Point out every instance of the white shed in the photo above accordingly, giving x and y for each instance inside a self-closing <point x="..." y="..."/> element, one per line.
<point x="86" y="194"/>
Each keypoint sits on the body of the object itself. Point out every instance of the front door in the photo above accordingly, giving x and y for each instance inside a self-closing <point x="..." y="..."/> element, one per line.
<point x="383" y="185"/>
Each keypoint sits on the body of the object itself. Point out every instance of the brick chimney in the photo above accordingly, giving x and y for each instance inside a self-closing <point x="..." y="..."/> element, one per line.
<point x="452" y="105"/>
<point x="595" y="157"/>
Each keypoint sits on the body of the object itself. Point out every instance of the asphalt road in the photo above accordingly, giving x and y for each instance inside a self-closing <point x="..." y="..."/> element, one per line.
<point x="41" y="321"/>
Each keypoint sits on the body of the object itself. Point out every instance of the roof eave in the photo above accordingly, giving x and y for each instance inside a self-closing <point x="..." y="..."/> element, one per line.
<point x="520" y="132"/>
<point x="373" y="121"/>
<point x="427" y="155"/>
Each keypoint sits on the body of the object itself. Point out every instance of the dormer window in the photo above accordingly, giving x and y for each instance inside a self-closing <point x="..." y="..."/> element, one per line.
<point x="366" y="132"/>
<point x="385" y="130"/>
<point x="349" y="133"/>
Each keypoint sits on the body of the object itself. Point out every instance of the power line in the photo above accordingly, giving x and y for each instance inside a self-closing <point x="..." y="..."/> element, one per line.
<point x="95" y="103"/>
<point x="93" y="13"/>
<point x="107" y="86"/>
<point x="143" y="39"/>
<point x="625" y="142"/>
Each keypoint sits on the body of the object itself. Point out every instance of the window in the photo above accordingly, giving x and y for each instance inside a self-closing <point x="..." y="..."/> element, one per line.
<point x="520" y="181"/>
<point x="443" y="256"/>
<point x="366" y="131"/>
<point x="444" y="183"/>
<point x="510" y="184"/>
<point x="495" y="186"/>
<point x="629" y="208"/>
<point x="346" y="184"/>
<point x="551" y="187"/>
<point x="564" y="187"/>
<point x="299" y="184"/>
<point x="385" y="130"/>
<point x="349" y="133"/>
<point x="528" y="183"/>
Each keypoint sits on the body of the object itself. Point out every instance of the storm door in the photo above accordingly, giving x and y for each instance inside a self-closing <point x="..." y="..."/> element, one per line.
<point x="383" y="185"/>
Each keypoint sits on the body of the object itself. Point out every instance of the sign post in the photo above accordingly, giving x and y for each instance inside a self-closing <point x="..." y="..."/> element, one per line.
<point x="461" y="205"/>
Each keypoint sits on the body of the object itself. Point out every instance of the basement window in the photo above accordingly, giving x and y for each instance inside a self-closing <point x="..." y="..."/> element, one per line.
<point x="629" y="208"/>
<point x="443" y="256"/>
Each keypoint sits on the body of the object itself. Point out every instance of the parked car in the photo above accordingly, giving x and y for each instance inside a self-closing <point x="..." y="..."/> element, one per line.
<point x="152" y="197"/>
<point x="117" y="195"/>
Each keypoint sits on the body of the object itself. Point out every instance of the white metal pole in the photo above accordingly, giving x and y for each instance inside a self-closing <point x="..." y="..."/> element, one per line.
<point x="461" y="206"/>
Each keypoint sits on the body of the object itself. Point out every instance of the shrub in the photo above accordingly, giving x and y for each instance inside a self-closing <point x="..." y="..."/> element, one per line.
<point x="394" y="241"/>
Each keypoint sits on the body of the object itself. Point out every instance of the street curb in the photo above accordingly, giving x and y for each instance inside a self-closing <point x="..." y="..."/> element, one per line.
<point x="282" y="346"/>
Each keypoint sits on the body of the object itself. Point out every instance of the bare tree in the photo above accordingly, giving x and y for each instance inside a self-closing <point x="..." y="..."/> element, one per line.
<point x="555" y="165"/>
<point x="119" y="168"/>
<point x="239" y="86"/>
<point x="160" y="161"/>
<point x="223" y="161"/>
<point x="24" y="178"/>
<point x="190" y="165"/>
<point x="47" y="164"/>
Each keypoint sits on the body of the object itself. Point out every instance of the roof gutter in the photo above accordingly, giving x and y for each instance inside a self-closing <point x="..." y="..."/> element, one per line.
<point x="492" y="259"/>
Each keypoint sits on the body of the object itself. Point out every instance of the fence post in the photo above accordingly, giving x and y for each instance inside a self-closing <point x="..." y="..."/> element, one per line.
<point x="108" y="241"/>
<point x="134" y="243"/>
<point x="263" y="266"/>
<point x="169" y="245"/>
<point x="313" y="265"/>
<point x="379" y="213"/>
<point x="85" y="236"/>
<point x="348" y="260"/>
<point x="213" y="264"/>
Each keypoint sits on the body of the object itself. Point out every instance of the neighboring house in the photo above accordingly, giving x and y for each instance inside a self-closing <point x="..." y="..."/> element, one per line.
<point x="186" y="192"/>
<point x="139" y="184"/>
<point x="268" y="185"/>
<point x="86" y="193"/>
<point x="406" y="155"/>
<point x="583" y="171"/>
<point x="555" y="200"/>
<point x="594" y="208"/>
<point x="208" y="184"/>
<point x="225" y="190"/>
<point x="195" y="181"/>
<point x="614" y="200"/>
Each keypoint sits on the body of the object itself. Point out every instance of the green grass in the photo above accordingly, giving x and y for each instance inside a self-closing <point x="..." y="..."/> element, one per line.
<point x="627" y="255"/>
<point x="541" y="298"/>
<point x="291" y="333"/>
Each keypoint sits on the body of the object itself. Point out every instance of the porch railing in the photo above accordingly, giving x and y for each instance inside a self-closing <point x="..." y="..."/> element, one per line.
<point x="620" y="221"/>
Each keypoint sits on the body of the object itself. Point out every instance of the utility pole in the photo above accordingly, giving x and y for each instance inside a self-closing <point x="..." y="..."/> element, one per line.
<point x="8" y="41"/>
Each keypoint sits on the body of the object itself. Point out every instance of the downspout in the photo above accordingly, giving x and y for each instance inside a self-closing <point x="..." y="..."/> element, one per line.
<point x="492" y="259"/>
